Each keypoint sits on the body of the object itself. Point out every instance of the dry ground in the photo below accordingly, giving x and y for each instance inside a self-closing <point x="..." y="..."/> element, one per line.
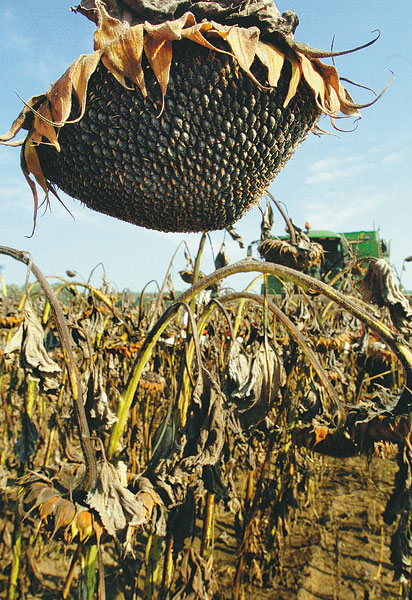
<point x="338" y="546"/>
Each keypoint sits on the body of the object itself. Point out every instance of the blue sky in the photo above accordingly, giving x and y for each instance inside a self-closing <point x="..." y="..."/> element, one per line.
<point x="355" y="181"/>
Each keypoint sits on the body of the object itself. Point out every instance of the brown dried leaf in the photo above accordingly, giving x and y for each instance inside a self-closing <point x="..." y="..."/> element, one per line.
<point x="195" y="577"/>
<point x="222" y="259"/>
<point x="74" y="81"/>
<point x="33" y="347"/>
<point x="379" y="286"/>
<point x="123" y="58"/>
<point x="118" y="508"/>
<point x="294" y="80"/>
<point x="30" y="337"/>
<point x="206" y="434"/>
<point x="108" y="28"/>
<point x="159" y="55"/>
<point x="257" y="383"/>
<point x="272" y="58"/>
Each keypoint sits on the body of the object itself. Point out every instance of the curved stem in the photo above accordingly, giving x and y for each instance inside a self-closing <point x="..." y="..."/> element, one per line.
<point x="141" y="360"/>
<point x="399" y="346"/>
<point x="286" y="218"/>
<point x="88" y="450"/>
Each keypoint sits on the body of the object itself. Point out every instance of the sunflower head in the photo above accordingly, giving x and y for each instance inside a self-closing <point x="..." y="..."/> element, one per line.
<point x="179" y="120"/>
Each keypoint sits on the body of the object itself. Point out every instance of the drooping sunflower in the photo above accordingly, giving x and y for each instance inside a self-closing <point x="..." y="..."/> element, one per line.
<point x="183" y="114"/>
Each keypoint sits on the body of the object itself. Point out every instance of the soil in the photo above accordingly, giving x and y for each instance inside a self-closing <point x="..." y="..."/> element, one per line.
<point x="337" y="547"/>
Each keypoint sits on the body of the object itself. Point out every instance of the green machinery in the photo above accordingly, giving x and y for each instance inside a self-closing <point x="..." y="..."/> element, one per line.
<point x="339" y="249"/>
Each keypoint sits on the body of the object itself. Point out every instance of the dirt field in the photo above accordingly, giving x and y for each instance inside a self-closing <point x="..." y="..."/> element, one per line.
<point x="338" y="546"/>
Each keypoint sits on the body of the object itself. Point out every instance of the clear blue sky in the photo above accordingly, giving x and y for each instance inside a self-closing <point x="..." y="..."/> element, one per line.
<point x="358" y="180"/>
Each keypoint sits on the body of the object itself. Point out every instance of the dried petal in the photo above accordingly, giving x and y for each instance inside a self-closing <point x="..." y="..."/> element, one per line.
<point x="294" y="80"/>
<point x="159" y="55"/>
<point x="315" y="80"/>
<point x="123" y="58"/>
<point x="272" y="58"/>
<point x="109" y="28"/>
<point x="73" y="81"/>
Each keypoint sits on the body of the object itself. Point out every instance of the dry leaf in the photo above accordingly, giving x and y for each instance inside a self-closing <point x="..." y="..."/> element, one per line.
<point x="123" y="58"/>
<point x="29" y="338"/>
<point x="118" y="508"/>
<point x="379" y="286"/>
<point x="159" y="55"/>
<point x="272" y="58"/>
<point x="294" y="80"/>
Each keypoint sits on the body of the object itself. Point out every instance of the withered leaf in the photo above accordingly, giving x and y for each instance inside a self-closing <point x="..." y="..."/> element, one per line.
<point x="379" y="286"/>
<point x="195" y="577"/>
<point x="26" y="444"/>
<point x="272" y="58"/>
<point x="206" y="432"/>
<point x="123" y="58"/>
<point x="101" y="410"/>
<point x="29" y="338"/>
<point x="294" y="80"/>
<point x="4" y="475"/>
<point x="118" y="508"/>
<point x="267" y="222"/>
<point x="222" y="259"/>
<point x="257" y="384"/>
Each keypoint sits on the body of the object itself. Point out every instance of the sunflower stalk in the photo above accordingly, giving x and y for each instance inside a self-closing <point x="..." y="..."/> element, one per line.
<point x="17" y="550"/>
<point x="196" y="267"/>
<point x="88" y="450"/>
<point x="168" y="566"/>
<point x="141" y="361"/>
<point x="208" y="522"/>
<point x="153" y="557"/>
<point x="90" y="568"/>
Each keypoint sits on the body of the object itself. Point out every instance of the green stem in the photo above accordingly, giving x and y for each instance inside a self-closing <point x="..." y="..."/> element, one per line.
<point x="15" y="566"/>
<point x="90" y="569"/>
<point x="141" y="360"/>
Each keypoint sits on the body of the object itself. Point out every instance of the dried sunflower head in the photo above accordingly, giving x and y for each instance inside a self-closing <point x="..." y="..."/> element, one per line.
<point x="300" y="255"/>
<point x="178" y="120"/>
